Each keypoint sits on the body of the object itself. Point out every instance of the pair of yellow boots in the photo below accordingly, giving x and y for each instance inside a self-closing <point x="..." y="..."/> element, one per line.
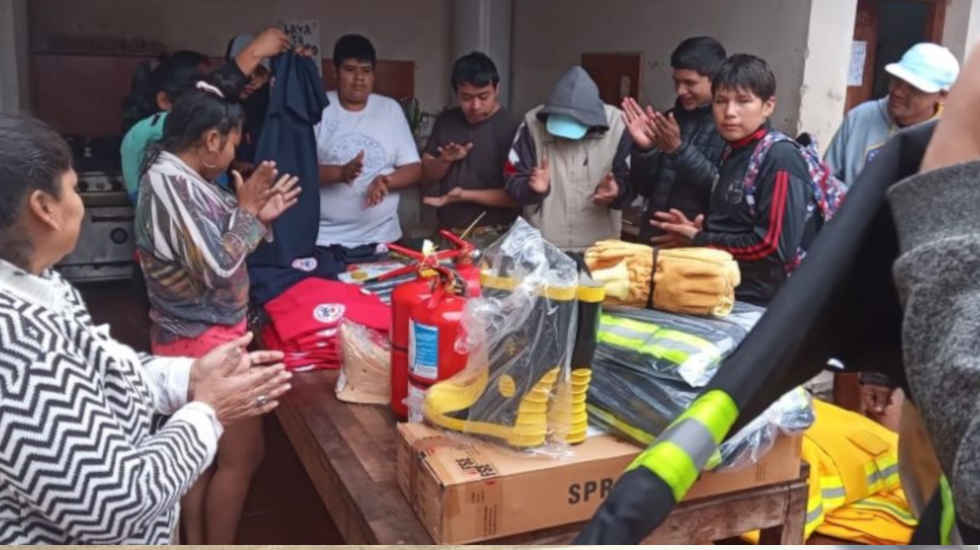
<point x="515" y="389"/>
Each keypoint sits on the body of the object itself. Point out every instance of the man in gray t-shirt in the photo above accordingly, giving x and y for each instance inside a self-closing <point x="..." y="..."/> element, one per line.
<point x="467" y="150"/>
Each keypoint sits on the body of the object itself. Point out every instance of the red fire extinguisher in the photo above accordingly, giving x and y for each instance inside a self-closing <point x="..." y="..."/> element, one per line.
<point x="403" y="299"/>
<point x="407" y="295"/>
<point x="465" y="266"/>
<point x="434" y="327"/>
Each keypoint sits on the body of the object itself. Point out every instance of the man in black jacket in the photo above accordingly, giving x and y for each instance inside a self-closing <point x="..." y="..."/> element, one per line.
<point x="675" y="155"/>
<point x="761" y="214"/>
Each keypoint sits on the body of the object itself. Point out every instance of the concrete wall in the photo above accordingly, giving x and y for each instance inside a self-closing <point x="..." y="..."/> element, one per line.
<point x="823" y="93"/>
<point x="14" y="66"/>
<point x="962" y="30"/>
<point x="551" y="35"/>
<point x="416" y="30"/>
<point x="485" y="25"/>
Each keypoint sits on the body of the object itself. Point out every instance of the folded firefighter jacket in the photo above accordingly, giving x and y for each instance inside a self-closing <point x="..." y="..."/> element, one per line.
<point x="852" y="459"/>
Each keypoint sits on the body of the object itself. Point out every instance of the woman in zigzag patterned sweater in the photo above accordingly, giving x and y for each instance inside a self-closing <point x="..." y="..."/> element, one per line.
<point x="78" y="460"/>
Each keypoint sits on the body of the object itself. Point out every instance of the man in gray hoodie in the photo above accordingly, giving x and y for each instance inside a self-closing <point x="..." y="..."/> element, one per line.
<point x="569" y="165"/>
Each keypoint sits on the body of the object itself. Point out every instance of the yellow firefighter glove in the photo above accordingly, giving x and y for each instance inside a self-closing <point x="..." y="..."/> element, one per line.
<point x="699" y="281"/>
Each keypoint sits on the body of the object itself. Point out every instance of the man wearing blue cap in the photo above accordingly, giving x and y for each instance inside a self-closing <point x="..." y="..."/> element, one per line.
<point x="919" y="84"/>
<point x="569" y="165"/>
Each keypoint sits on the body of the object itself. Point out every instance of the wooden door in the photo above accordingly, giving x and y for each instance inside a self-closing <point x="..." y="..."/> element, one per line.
<point x="866" y="31"/>
<point x="616" y="74"/>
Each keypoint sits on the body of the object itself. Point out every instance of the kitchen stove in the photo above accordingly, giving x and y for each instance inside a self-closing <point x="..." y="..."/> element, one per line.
<point x="106" y="248"/>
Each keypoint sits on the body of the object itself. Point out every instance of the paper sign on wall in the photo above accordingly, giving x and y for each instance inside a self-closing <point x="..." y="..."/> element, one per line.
<point x="855" y="73"/>
<point x="306" y="33"/>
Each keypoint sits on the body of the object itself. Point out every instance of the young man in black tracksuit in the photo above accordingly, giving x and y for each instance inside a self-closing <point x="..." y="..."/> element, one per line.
<point x="675" y="154"/>
<point x="764" y="229"/>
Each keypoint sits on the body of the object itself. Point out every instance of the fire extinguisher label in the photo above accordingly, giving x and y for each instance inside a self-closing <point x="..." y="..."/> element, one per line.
<point x="423" y="350"/>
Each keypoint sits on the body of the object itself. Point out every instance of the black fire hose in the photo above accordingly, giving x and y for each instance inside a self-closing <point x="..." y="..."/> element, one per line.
<point x="839" y="303"/>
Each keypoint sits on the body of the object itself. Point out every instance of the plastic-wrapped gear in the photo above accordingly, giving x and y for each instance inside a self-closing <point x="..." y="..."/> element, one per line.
<point x="519" y="336"/>
<point x="791" y="414"/>
<point x="649" y="367"/>
<point x="681" y="347"/>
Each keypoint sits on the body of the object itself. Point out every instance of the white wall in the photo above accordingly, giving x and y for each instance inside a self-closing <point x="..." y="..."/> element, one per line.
<point x="14" y="67"/>
<point x="962" y="29"/>
<point x="485" y="25"/>
<point x="416" y="30"/>
<point x="551" y="35"/>
<point x="823" y="93"/>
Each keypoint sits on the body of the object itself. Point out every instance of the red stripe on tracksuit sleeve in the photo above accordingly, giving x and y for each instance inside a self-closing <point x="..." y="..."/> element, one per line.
<point x="777" y="209"/>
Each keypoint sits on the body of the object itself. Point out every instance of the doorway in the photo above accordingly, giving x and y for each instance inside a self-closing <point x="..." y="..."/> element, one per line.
<point x="883" y="31"/>
<point x="617" y="75"/>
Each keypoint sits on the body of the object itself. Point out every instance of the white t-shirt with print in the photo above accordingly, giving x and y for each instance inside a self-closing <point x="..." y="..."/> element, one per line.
<point x="382" y="132"/>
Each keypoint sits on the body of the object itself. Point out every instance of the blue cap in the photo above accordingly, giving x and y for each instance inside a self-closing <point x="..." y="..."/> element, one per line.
<point x="928" y="67"/>
<point x="566" y="127"/>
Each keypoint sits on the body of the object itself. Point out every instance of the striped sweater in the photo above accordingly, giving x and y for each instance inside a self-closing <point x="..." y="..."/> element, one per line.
<point x="193" y="240"/>
<point x="78" y="460"/>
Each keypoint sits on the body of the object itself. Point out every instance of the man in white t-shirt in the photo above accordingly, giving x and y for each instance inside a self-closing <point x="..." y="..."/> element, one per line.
<point x="366" y="153"/>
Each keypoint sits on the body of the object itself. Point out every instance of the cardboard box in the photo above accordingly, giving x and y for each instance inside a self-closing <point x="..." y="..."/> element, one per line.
<point x="465" y="490"/>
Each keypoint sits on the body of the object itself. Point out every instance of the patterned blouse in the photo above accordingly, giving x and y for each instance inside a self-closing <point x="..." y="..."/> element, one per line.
<point x="79" y="463"/>
<point x="192" y="240"/>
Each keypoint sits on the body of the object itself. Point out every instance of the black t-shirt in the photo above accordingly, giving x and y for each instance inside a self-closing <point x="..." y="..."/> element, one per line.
<point x="483" y="167"/>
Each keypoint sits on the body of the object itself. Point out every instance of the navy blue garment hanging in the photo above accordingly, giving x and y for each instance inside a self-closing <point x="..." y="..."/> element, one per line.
<point x="296" y="103"/>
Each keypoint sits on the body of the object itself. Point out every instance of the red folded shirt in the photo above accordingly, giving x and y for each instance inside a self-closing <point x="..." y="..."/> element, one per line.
<point x="305" y="318"/>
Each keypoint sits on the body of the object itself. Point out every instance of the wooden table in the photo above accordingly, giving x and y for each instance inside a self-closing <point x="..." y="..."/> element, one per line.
<point x="349" y="452"/>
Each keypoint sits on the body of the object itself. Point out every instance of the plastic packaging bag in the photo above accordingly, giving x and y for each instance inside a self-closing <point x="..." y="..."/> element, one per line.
<point x="650" y="366"/>
<point x="791" y="414"/>
<point x="365" y="369"/>
<point x="519" y="337"/>
<point x="681" y="347"/>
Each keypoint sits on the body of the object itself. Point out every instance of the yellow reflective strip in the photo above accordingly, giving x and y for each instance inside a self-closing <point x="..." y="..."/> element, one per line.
<point x="689" y="339"/>
<point x="496" y="282"/>
<point x="714" y="461"/>
<point x="814" y="516"/>
<point x="618" y="340"/>
<point x="947" y="516"/>
<point x="882" y="473"/>
<point x="607" y="335"/>
<point x="560" y="293"/>
<point x="611" y="419"/>
<point x="631" y="324"/>
<point x="671" y="464"/>
<point x="896" y="512"/>
<point x="716" y="410"/>
<point x="673" y="355"/>
<point x="591" y="294"/>
<point x="832" y="492"/>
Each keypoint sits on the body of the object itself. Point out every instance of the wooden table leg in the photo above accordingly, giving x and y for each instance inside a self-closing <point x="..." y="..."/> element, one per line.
<point x="791" y="531"/>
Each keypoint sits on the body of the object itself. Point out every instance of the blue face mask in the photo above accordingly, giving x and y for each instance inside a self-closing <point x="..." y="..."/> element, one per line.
<point x="564" y="126"/>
